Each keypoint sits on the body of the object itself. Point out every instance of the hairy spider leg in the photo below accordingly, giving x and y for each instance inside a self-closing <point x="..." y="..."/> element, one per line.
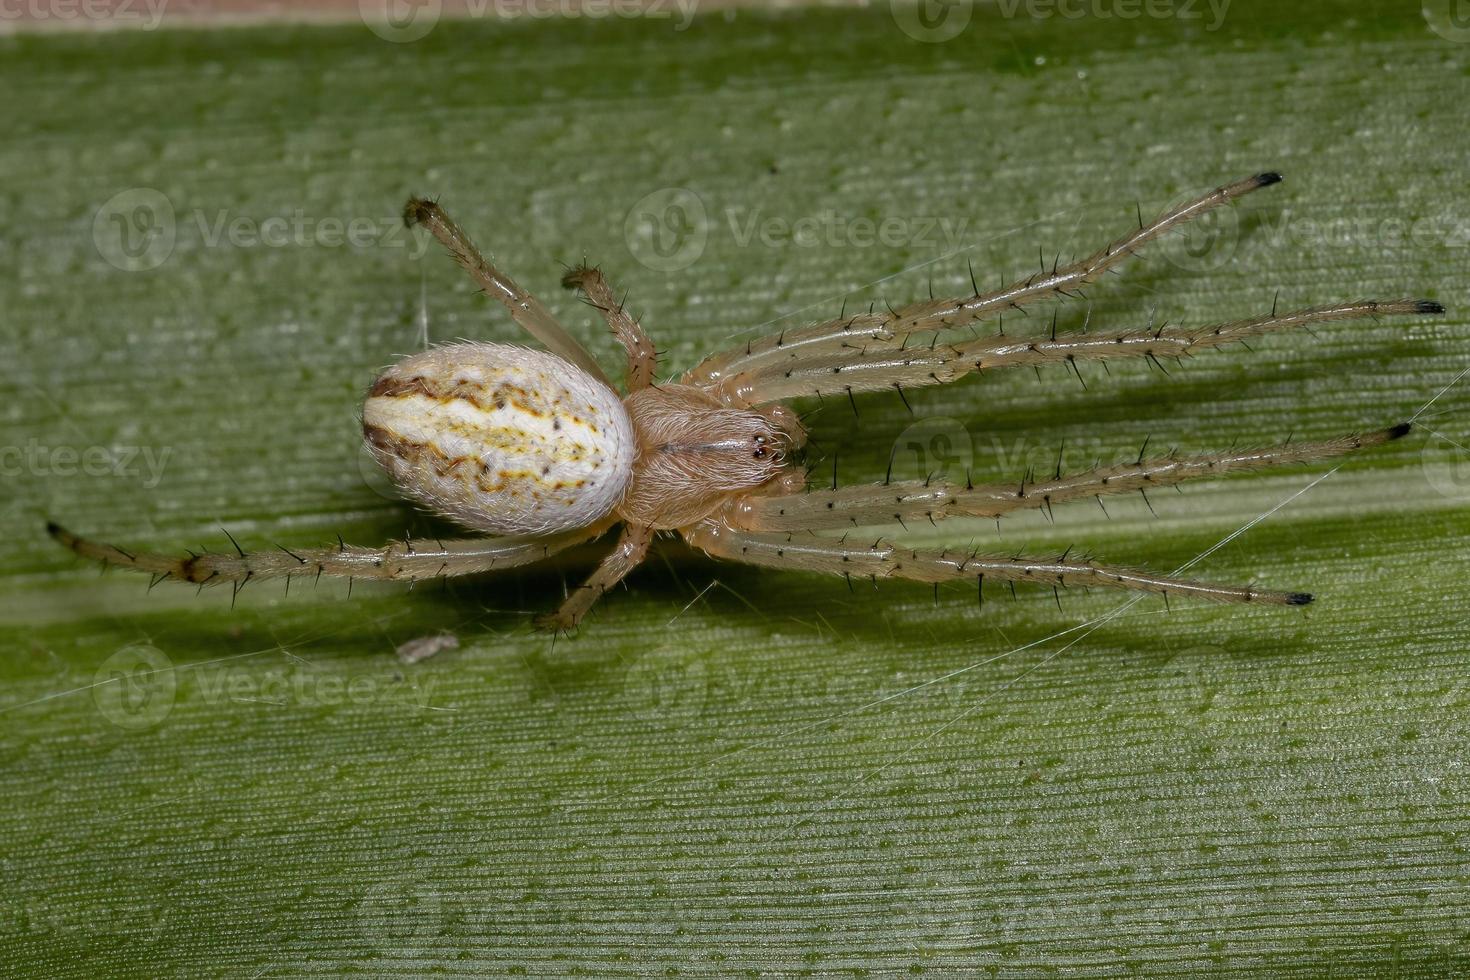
<point x="407" y="560"/>
<point x="524" y="308"/>
<point x="882" y="559"/>
<point x="880" y="503"/>
<point x="884" y="367"/>
<point x="627" y="554"/>
<point x="642" y="357"/>
<point x="938" y="314"/>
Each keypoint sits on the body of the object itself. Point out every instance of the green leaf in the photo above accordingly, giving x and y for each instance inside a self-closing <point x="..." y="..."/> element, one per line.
<point x="731" y="771"/>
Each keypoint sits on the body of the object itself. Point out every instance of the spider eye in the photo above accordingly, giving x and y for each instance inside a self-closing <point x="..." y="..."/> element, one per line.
<point x="760" y="452"/>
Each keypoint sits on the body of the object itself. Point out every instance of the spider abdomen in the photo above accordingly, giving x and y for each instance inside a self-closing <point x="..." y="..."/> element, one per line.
<point x="501" y="439"/>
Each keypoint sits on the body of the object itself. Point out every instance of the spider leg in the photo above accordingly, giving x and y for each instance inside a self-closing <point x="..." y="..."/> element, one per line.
<point x="879" y="503"/>
<point x="940" y="314"/>
<point x="642" y="358"/>
<point x="524" y="308"/>
<point x="631" y="549"/>
<point x="882" y="366"/>
<point x="882" y="559"/>
<point x="409" y="560"/>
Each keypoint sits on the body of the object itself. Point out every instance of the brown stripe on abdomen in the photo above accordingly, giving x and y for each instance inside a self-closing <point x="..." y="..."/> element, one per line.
<point x="389" y="445"/>
<point x="484" y="397"/>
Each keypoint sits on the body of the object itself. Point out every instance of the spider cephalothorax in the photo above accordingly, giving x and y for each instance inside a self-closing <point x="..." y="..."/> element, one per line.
<point x="539" y="449"/>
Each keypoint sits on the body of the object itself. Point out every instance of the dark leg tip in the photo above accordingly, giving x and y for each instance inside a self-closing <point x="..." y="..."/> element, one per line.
<point x="575" y="277"/>
<point x="54" y="529"/>
<point x="1428" y="306"/>
<point x="1299" y="599"/>
<point x="416" y="210"/>
<point x="1400" y="430"/>
<point x="1268" y="178"/>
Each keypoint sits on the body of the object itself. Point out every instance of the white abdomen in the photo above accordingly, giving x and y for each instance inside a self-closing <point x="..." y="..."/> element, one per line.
<point x="501" y="439"/>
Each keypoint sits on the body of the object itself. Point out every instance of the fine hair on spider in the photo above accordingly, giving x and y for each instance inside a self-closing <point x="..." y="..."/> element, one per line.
<point x="536" y="451"/>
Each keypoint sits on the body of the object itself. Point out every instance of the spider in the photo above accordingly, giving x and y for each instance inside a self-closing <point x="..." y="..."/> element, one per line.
<point x="536" y="449"/>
